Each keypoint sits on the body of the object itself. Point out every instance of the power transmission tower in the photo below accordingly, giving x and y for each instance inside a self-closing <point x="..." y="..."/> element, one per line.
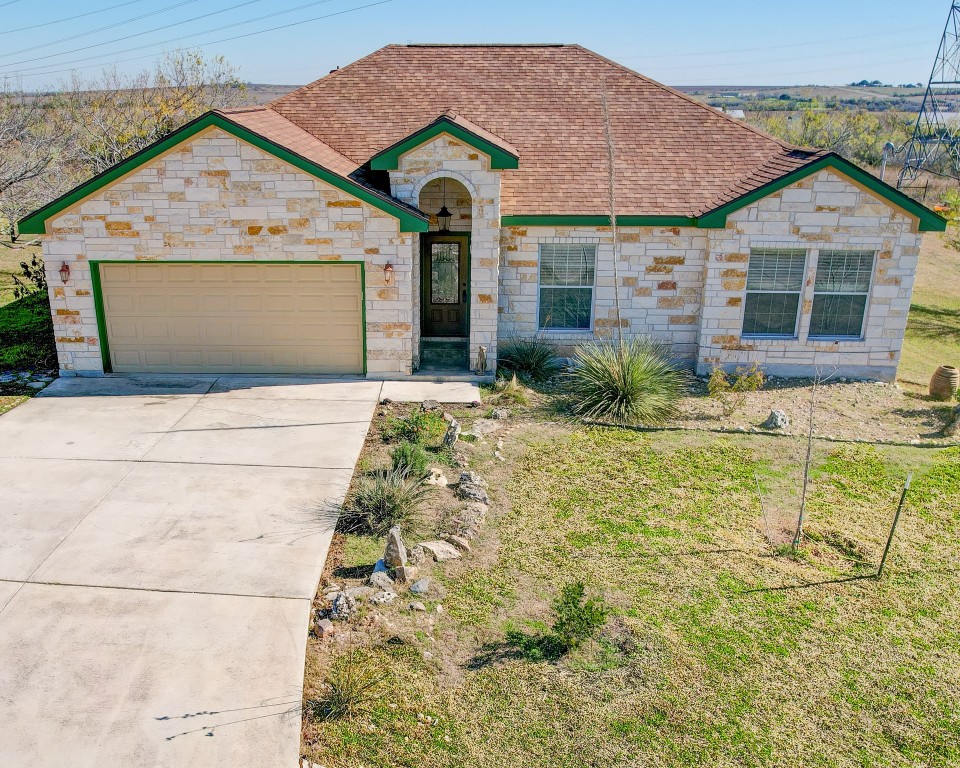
<point x="935" y="144"/>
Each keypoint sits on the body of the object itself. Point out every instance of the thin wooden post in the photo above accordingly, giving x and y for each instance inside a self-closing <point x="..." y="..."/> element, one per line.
<point x="893" y="526"/>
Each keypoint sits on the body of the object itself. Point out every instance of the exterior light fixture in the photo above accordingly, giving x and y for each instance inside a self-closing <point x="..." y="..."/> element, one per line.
<point x="443" y="219"/>
<point x="64" y="271"/>
<point x="388" y="272"/>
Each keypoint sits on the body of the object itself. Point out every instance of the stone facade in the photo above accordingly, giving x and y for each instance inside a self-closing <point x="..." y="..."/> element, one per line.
<point x="445" y="156"/>
<point x="822" y="211"/>
<point x="215" y="198"/>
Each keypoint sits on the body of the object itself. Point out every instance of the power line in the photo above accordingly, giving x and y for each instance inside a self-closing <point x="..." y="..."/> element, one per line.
<point x="222" y="40"/>
<point x="68" y="18"/>
<point x="118" y="24"/>
<point x="4" y="5"/>
<point x="158" y="29"/>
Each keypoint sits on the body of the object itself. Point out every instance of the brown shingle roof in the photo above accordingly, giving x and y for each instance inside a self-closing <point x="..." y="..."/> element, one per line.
<point x="675" y="156"/>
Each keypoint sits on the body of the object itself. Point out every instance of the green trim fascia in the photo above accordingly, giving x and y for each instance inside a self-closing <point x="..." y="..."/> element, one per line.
<point x="34" y="223"/>
<point x="562" y="220"/>
<point x="389" y="158"/>
<point x="101" y="317"/>
<point x="928" y="220"/>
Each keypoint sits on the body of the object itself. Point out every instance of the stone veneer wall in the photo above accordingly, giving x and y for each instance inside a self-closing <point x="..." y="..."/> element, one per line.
<point x="822" y="211"/>
<point x="446" y="156"/>
<point x="661" y="281"/>
<point x="217" y="198"/>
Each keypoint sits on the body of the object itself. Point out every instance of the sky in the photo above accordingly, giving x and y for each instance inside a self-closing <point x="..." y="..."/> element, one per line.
<point x="695" y="42"/>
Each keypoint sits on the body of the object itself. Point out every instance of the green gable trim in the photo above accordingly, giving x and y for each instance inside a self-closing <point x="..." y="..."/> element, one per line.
<point x="560" y="220"/>
<point x="389" y="159"/>
<point x="34" y="224"/>
<point x="928" y="220"/>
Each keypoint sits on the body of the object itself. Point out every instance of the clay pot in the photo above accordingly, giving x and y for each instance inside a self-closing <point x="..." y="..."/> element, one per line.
<point x="944" y="383"/>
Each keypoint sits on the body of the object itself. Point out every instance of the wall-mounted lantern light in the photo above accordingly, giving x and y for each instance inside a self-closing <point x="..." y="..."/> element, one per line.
<point x="64" y="271"/>
<point x="443" y="219"/>
<point x="388" y="272"/>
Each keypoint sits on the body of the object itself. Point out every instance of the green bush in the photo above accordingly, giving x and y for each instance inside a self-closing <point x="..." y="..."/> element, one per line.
<point x="410" y="460"/>
<point x="382" y="500"/>
<point x="416" y="427"/>
<point x="533" y="359"/>
<point x="629" y="383"/>
<point x="577" y="618"/>
<point x="731" y="393"/>
<point x="26" y="334"/>
<point x="350" y="688"/>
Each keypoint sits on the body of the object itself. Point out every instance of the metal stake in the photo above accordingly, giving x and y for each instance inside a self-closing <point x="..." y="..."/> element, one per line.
<point x="893" y="526"/>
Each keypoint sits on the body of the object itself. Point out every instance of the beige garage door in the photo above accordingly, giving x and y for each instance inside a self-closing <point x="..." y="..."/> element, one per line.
<point x="233" y="318"/>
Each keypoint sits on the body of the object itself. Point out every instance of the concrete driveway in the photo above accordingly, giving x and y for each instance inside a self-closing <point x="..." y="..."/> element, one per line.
<point x="160" y="542"/>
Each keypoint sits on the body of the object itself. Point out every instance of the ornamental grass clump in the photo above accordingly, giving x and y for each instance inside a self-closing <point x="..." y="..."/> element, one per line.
<point x="531" y="359"/>
<point x="383" y="499"/>
<point x="410" y="459"/>
<point x="351" y="688"/>
<point x="625" y="383"/>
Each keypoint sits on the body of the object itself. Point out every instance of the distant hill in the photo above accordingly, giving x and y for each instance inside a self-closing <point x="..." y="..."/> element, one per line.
<point x="757" y="98"/>
<point x="261" y="93"/>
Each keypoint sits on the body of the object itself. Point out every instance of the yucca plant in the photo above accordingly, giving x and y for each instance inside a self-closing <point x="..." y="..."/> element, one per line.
<point x="350" y="689"/>
<point x="626" y="383"/>
<point x="533" y="359"/>
<point x="383" y="499"/>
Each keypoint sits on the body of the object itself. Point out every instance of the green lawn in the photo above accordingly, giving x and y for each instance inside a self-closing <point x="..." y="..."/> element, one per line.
<point x="26" y="335"/>
<point x="719" y="652"/>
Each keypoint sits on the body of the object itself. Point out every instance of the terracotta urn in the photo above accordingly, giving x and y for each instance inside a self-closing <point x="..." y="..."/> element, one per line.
<point x="944" y="383"/>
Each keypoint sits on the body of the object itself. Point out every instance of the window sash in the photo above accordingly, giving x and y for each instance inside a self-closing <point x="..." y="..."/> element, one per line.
<point x="841" y="289"/>
<point x="566" y="283"/>
<point x="775" y="278"/>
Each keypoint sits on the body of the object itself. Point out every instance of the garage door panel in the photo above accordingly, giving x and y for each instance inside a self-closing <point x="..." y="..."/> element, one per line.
<point x="233" y="318"/>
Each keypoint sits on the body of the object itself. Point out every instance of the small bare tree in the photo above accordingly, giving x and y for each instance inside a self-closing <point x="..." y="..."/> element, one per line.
<point x="818" y="381"/>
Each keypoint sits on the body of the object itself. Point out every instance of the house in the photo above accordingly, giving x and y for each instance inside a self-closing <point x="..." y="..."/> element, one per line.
<point x="428" y="201"/>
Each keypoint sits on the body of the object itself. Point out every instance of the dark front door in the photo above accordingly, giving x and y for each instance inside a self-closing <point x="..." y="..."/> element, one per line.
<point x="445" y="277"/>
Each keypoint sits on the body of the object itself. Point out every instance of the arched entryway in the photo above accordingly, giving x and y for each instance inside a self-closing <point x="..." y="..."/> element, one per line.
<point x="445" y="275"/>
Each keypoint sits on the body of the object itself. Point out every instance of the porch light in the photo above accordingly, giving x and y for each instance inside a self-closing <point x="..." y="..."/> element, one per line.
<point x="388" y="273"/>
<point x="64" y="271"/>
<point x="443" y="219"/>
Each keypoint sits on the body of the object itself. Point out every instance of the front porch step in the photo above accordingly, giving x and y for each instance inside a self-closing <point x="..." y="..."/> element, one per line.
<point x="444" y="356"/>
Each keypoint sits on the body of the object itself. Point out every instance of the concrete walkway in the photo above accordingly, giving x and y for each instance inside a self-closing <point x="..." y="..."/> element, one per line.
<point x="161" y="539"/>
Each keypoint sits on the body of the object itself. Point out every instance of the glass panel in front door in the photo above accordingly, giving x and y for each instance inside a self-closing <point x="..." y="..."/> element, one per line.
<point x="445" y="273"/>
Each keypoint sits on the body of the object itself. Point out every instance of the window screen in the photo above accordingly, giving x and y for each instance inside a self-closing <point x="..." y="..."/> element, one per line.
<point x="566" y="284"/>
<point x="774" y="284"/>
<point x="840" y="293"/>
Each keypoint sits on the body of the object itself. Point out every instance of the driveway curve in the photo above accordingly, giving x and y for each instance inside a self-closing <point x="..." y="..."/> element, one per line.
<point x="161" y="540"/>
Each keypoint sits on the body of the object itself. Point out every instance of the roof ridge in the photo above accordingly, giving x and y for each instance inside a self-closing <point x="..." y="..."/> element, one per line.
<point x="691" y="100"/>
<point x="481" y="45"/>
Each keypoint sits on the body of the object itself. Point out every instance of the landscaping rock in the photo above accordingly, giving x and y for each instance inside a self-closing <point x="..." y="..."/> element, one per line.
<point x="459" y="542"/>
<point x="471" y="488"/>
<point x="358" y="593"/>
<point x="436" y="477"/>
<point x="452" y="434"/>
<point x="416" y="555"/>
<point x="343" y="607"/>
<point x="386" y="401"/>
<point x="777" y="420"/>
<point x="395" y="553"/>
<point x="324" y="628"/>
<point x="420" y="587"/>
<point x="440" y="550"/>
<point x="417" y="607"/>
<point x="384" y="597"/>
<point x="380" y="580"/>
<point x="500" y="413"/>
<point x="429" y="405"/>
<point x="405" y="574"/>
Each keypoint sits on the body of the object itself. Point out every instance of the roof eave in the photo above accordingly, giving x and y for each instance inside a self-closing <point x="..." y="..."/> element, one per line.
<point x="389" y="158"/>
<point x="35" y="223"/>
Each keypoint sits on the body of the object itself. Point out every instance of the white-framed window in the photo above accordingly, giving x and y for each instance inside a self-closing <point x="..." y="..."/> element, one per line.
<point x="567" y="276"/>
<point x="840" y="293"/>
<point x="774" y="287"/>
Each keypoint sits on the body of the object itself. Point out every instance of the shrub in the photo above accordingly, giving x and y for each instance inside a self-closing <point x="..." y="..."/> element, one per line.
<point x="26" y="334"/>
<point x="350" y="688"/>
<point x="533" y="359"/>
<point x="32" y="281"/>
<point x="731" y="394"/>
<point x="577" y="618"/>
<point x="410" y="460"/>
<point x="509" y="391"/>
<point x="384" y="499"/>
<point x="629" y="383"/>
<point x="416" y="427"/>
